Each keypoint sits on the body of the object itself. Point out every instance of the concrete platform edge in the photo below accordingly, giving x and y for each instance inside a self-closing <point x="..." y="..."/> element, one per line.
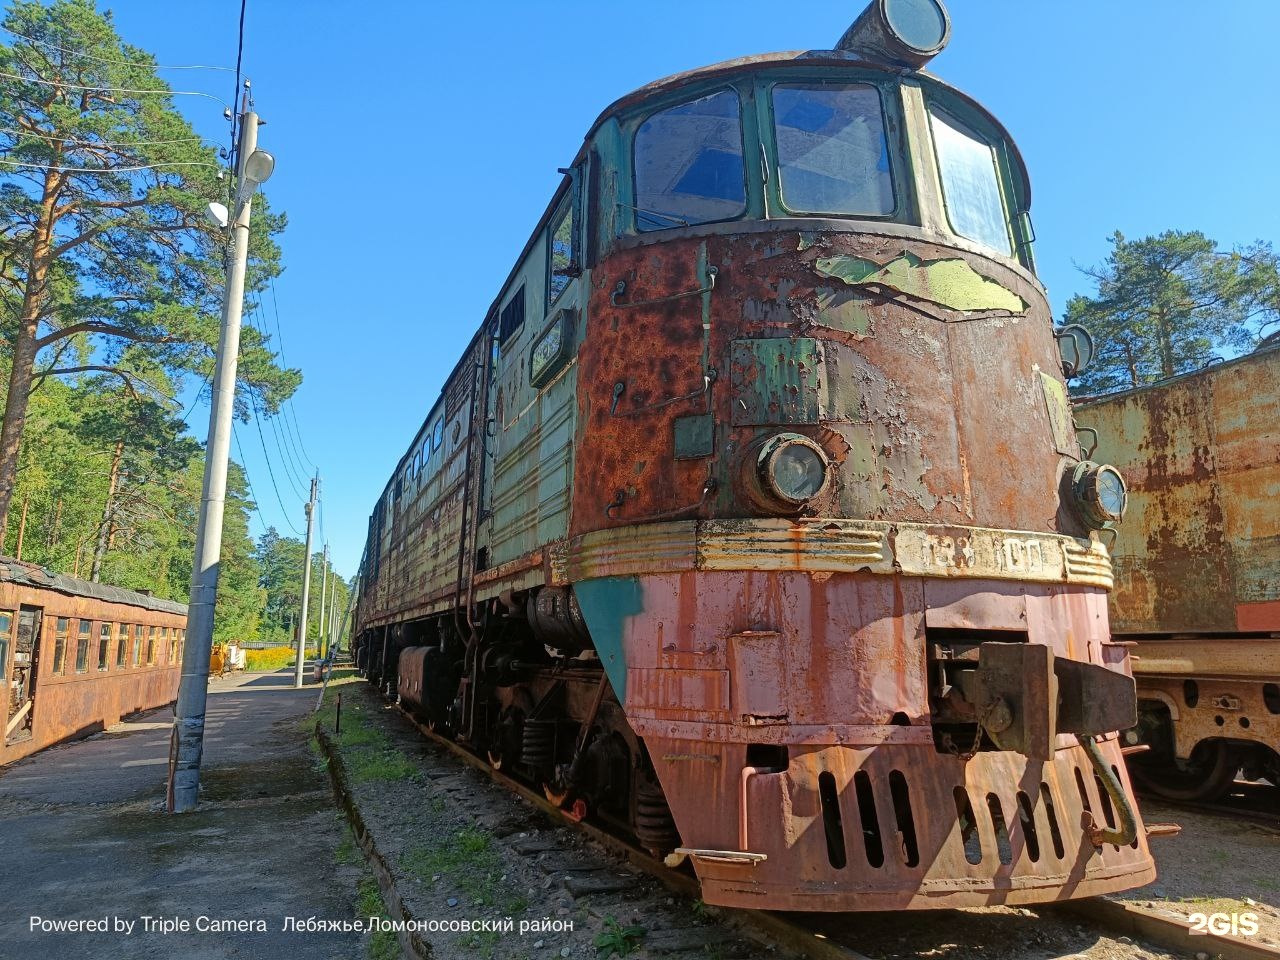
<point x="412" y="943"/>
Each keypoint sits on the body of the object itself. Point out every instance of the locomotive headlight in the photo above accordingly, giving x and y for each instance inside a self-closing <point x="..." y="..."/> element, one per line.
<point x="1100" y="493"/>
<point x="792" y="469"/>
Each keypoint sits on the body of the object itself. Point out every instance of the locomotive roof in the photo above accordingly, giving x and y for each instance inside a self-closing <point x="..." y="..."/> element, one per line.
<point x="34" y="575"/>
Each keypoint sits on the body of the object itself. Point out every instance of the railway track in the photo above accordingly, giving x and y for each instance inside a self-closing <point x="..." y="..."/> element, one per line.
<point x="1258" y="802"/>
<point x="860" y="936"/>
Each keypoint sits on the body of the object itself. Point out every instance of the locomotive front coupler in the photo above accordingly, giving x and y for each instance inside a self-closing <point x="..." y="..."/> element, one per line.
<point x="1019" y="696"/>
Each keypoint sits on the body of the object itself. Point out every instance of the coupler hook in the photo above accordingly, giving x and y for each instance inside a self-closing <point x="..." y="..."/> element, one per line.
<point x="1098" y="835"/>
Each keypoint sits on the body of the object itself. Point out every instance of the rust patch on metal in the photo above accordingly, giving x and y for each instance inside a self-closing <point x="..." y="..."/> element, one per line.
<point x="947" y="422"/>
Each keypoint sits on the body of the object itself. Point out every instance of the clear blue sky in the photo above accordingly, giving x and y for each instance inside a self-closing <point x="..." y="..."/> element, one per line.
<point x="417" y="144"/>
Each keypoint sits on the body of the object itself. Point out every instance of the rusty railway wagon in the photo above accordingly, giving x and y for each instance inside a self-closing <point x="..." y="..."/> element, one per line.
<point x="77" y="656"/>
<point x="1197" y="570"/>
<point x="753" y="522"/>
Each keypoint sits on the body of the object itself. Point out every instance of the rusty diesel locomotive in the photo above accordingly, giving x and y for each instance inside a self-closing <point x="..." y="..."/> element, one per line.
<point x="1198" y="571"/>
<point x="753" y="521"/>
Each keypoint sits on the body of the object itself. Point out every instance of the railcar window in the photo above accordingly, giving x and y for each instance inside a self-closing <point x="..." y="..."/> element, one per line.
<point x="512" y="317"/>
<point x="122" y="645"/>
<point x="970" y="182"/>
<point x="689" y="164"/>
<point x="560" y="262"/>
<point x="151" y="647"/>
<point x="833" y="156"/>
<point x="163" y="656"/>
<point x="60" y="628"/>
<point x="82" y="646"/>
<point x="437" y="436"/>
<point x="137" y="644"/>
<point x="6" y="631"/>
<point x="104" y="645"/>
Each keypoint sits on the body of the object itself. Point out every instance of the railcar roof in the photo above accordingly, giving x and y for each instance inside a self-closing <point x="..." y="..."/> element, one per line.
<point x="33" y="575"/>
<point x="1206" y="371"/>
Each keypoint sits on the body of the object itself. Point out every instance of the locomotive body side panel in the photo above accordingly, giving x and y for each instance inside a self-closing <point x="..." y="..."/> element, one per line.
<point x="1200" y="549"/>
<point x="1197" y="569"/>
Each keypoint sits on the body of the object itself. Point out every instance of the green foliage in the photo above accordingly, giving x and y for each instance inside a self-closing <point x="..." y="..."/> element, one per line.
<point x="1168" y="304"/>
<point x="146" y="528"/>
<point x="110" y="300"/>
<point x="616" y="940"/>
<point x="280" y="565"/>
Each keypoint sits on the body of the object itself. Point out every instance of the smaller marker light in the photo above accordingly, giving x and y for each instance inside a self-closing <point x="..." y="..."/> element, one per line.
<point x="1100" y="493"/>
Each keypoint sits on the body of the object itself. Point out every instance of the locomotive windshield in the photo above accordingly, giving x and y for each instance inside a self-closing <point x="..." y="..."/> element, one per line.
<point x="689" y="166"/>
<point x="836" y="143"/>
<point x="832" y="152"/>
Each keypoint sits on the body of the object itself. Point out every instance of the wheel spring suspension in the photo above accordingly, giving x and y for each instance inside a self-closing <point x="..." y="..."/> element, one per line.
<point x="538" y="745"/>
<point x="655" y="827"/>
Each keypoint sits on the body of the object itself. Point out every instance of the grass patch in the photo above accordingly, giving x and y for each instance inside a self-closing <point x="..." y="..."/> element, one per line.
<point x="616" y="940"/>
<point x="347" y="851"/>
<point x="383" y="765"/>
<point x="383" y="945"/>
<point x="470" y="861"/>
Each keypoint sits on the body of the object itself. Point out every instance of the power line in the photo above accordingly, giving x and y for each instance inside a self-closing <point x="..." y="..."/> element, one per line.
<point x="275" y="307"/>
<point x="123" y="63"/>
<point x="101" y="89"/>
<point x="294" y="443"/>
<point x="145" y="166"/>
<point x="95" y="143"/>
<point x="270" y="472"/>
<point x="294" y="476"/>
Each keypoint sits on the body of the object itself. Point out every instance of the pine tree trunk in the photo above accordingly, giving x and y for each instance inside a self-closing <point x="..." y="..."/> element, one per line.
<point x="24" y="345"/>
<point x="108" y="513"/>
<point x="1166" y="344"/>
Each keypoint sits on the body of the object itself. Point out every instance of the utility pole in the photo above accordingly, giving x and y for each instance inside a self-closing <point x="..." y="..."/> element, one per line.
<point x="333" y="613"/>
<point x="306" y="587"/>
<point x="324" y="594"/>
<point x="253" y="167"/>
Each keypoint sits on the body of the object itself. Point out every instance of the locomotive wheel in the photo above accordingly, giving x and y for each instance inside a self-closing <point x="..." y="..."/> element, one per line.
<point x="655" y="827"/>
<point x="1206" y="775"/>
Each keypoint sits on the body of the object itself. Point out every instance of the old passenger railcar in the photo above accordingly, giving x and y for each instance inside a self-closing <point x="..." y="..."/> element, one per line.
<point x="1198" y="570"/>
<point x="753" y="520"/>
<point x="77" y="656"/>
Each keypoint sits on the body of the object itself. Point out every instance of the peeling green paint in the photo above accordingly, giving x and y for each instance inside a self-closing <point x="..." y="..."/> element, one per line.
<point x="776" y="381"/>
<point x="607" y="603"/>
<point x="949" y="283"/>
<point x="1059" y="410"/>
<point x="843" y="310"/>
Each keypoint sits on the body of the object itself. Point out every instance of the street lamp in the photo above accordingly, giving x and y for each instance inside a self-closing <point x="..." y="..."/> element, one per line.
<point x="187" y="743"/>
